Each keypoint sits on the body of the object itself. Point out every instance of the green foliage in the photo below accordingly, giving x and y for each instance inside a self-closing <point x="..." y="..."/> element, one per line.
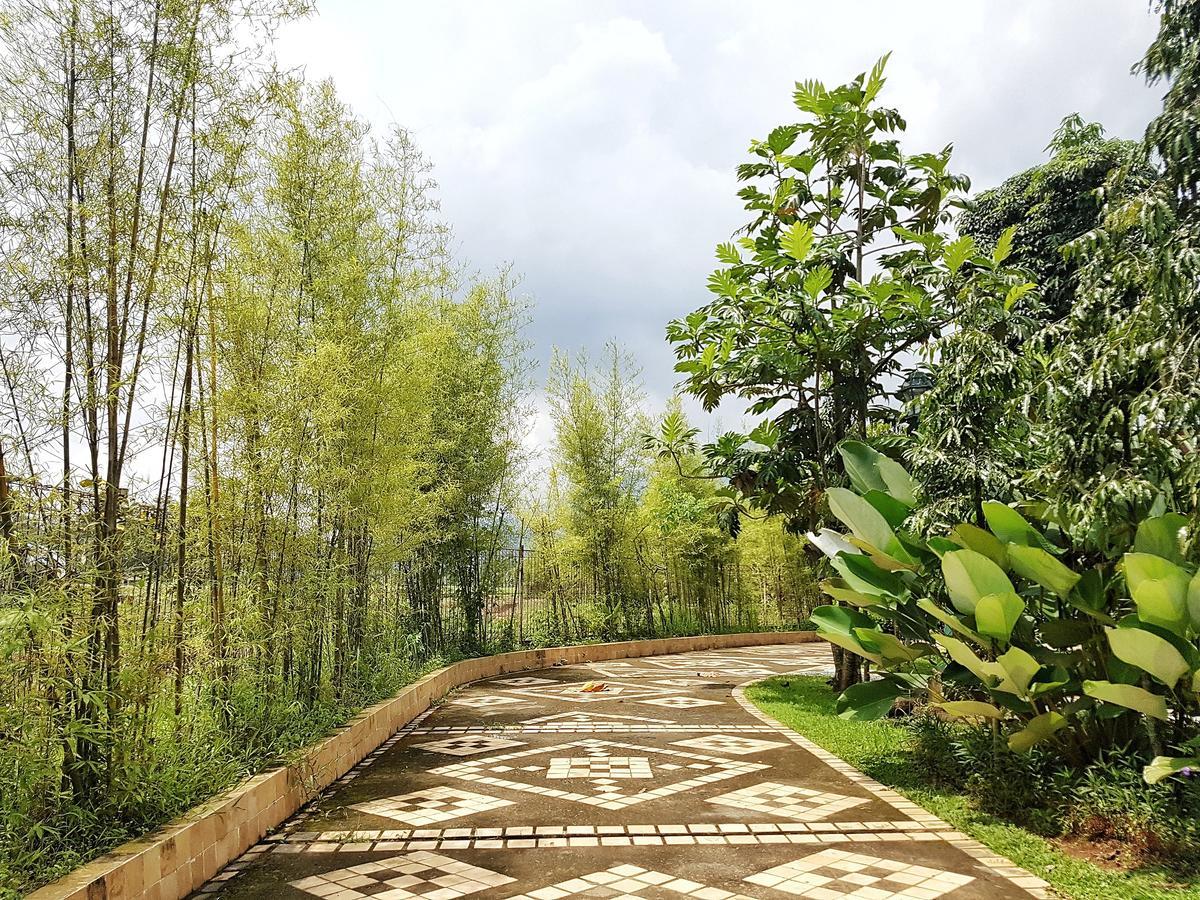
<point x="1041" y="210"/>
<point x="842" y="271"/>
<point x="1047" y="665"/>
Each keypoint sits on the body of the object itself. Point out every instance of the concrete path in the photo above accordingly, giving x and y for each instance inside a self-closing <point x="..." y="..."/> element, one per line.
<point x="665" y="784"/>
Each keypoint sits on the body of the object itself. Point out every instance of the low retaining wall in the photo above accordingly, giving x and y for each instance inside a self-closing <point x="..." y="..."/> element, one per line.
<point x="171" y="862"/>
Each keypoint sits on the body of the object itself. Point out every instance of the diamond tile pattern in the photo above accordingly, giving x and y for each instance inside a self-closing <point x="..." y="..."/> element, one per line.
<point x="789" y="801"/>
<point x="629" y="882"/>
<point x="837" y="874"/>
<point x="420" y="874"/>
<point x="432" y="805"/>
<point x="730" y="743"/>
<point x="468" y="745"/>
<point x="522" y="770"/>
<point x="681" y="702"/>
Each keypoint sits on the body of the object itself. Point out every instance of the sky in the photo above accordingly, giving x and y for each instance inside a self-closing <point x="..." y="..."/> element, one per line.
<point x="592" y="146"/>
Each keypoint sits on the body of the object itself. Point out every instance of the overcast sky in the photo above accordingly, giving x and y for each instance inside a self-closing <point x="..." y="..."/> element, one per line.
<point x="593" y="145"/>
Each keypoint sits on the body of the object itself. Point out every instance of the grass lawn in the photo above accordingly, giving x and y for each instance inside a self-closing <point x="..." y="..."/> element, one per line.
<point x="880" y="749"/>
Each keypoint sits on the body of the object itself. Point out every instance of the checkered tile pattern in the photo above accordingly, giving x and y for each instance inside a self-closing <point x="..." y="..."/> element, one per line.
<point x="421" y="874"/>
<point x="523" y="681"/>
<point x="468" y="745"/>
<point x="730" y="744"/>
<point x="432" y="805"/>
<point x="680" y="702"/>
<point x="629" y="883"/>
<point x="600" y="767"/>
<point x="838" y="875"/>
<point x="789" y="801"/>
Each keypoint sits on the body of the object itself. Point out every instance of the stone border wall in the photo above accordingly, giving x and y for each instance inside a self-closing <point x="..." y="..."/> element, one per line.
<point x="171" y="862"/>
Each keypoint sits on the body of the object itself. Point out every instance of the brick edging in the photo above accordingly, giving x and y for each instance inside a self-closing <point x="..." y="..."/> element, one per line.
<point x="172" y="861"/>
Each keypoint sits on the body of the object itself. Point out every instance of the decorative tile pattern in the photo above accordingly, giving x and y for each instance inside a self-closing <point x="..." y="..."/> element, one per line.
<point x="681" y="702"/>
<point x="833" y="874"/>
<point x="522" y="771"/>
<point x="599" y="768"/>
<point x="420" y="874"/>
<point x="629" y="883"/>
<point x="592" y="765"/>
<point x="574" y="692"/>
<point x="468" y="745"/>
<point x="729" y="743"/>
<point x="592" y="718"/>
<point x="432" y="805"/>
<point x="486" y="702"/>
<point x="787" y="800"/>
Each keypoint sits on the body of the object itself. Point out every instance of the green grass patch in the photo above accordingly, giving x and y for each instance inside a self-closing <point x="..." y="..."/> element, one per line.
<point x="882" y="750"/>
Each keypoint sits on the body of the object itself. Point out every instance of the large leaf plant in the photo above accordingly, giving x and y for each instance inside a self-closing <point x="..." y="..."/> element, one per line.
<point x="1002" y="625"/>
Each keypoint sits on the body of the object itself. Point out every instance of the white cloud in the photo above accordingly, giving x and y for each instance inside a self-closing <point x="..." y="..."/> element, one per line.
<point x="593" y="145"/>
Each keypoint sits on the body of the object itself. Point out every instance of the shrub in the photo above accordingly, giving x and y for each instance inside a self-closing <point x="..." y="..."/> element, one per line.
<point x="1049" y="643"/>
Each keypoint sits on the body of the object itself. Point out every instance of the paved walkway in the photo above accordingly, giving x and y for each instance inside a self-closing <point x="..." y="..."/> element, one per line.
<point x="665" y="784"/>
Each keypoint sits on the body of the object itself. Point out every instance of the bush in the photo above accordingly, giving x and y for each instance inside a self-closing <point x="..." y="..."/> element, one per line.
<point x="1106" y="801"/>
<point x="1081" y="649"/>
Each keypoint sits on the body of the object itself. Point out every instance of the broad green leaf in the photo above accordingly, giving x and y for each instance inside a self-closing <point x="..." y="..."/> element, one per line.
<point x="722" y="283"/>
<point x="890" y="647"/>
<point x="1165" y="766"/>
<point x="1038" y="729"/>
<point x="889" y="507"/>
<point x="971" y="709"/>
<point x="868" y="700"/>
<point x="1129" y="696"/>
<point x="1016" y="292"/>
<point x="850" y="642"/>
<point x="969" y="576"/>
<point x="1020" y="668"/>
<point x="840" y="620"/>
<point x="953" y="622"/>
<point x="1004" y="245"/>
<point x="870" y="470"/>
<point x="1038" y="565"/>
<point x="972" y="538"/>
<point x="1193" y="602"/>
<point x="839" y="590"/>
<point x="988" y="673"/>
<point x="728" y="254"/>
<point x="1148" y="652"/>
<point x="1160" y="590"/>
<point x="818" y="280"/>
<point x="866" y="522"/>
<point x="1012" y="527"/>
<point x="958" y="252"/>
<point x="1160" y="535"/>
<point x="862" y="575"/>
<point x="996" y="614"/>
<point x="797" y="241"/>
<point x="941" y="546"/>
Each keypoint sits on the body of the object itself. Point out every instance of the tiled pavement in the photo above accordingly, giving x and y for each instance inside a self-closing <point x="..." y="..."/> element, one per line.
<point x="665" y="784"/>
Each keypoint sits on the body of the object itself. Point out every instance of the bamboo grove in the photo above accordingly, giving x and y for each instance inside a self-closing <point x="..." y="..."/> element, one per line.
<point x="262" y="450"/>
<point x="250" y="401"/>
